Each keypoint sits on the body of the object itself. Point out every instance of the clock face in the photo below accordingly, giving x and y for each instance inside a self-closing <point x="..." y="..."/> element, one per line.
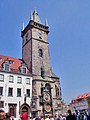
<point x="47" y="107"/>
<point x="46" y="97"/>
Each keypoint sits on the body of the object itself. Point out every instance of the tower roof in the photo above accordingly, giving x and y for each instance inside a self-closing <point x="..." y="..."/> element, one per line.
<point x="35" y="17"/>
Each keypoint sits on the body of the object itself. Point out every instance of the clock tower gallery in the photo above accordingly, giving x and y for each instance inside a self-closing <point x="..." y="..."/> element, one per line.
<point x="46" y="92"/>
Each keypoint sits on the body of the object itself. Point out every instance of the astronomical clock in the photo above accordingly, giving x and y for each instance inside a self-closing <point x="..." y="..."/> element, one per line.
<point x="47" y="99"/>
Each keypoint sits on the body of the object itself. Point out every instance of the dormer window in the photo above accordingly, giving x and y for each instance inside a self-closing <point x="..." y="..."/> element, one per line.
<point x="23" y="69"/>
<point x="11" y="62"/>
<point x="6" y="66"/>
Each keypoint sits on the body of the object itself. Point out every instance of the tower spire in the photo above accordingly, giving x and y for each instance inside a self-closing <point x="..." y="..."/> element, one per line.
<point x="31" y="17"/>
<point x="23" y="26"/>
<point x="46" y="23"/>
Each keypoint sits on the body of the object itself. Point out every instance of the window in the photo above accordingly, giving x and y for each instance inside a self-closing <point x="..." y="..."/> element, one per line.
<point x="40" y="100"/>
<point x="1" y="77"/>
<point x="40" y="52"/>
<point x="10" y="91"/>
<point x="12" y="109"/>
<point x="23" y="69"/>
<point x="19" y="80"/>
<point x="11" y="62"/>
<point x="6" y="66"/>
<point x="28" y="92"/>
<point x="47" y="87"/>
<point x="28" y="81"/>
<point x="18" y="92"/>
<point x="11" y="78"/>
<point x="42" y="73"/>
<point x="1" y="91"/>
<point x="1" y="104"/>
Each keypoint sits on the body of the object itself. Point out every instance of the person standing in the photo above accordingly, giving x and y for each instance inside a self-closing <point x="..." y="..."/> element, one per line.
<point x="2" y="115"/>
<point x="24" y="116"/>
<point x="70" y="116"/>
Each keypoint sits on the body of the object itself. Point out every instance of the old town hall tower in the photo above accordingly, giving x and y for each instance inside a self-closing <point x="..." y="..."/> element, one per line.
<point x="46" y="92"/>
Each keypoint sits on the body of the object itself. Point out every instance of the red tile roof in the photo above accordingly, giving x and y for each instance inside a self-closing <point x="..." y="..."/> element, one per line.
<point x="85" y="95"/>
<point x="14" y="67"/>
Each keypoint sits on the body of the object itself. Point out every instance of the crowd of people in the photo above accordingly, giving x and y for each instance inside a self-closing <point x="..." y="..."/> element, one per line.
<point x="5" y="116"/>
<point x="69" y="116"/>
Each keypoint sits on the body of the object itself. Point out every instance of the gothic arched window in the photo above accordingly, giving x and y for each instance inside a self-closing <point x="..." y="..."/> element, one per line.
<point x="48" y="87"/>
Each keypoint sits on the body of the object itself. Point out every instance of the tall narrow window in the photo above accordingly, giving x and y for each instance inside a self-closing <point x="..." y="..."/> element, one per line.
<point x="40" y="52"/>
<point x="1" y="91"/>
<point x="1" y="104"/>
<point x="19" y="80"/>
<point x="10" y="91"/>
<point x="18" y="92"/>
<point x="23" y="69"/>
<point x="42" y="73"/>
<point x="47" y="87"/>
<point x="6" y="66"/>
<point x="11" y="78"/>
<point x="1" y="77"/>
<point x="28" y="81"/>
<point x="28" y="92"/>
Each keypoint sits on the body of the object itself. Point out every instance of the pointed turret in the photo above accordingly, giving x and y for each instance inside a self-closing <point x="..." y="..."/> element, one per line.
<point x="46" y="23"/>
<point x="23" y="26"/>
<point x="31" y="17"/>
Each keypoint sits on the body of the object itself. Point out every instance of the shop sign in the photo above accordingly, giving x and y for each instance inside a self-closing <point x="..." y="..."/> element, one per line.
<point x="80" y="104"/>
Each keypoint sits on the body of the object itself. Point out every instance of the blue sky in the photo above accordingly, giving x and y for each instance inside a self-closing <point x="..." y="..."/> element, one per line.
<point x="69" y="38"/>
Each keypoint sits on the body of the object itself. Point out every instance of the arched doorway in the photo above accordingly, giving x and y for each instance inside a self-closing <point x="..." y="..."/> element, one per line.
<point x="25" y="108"/>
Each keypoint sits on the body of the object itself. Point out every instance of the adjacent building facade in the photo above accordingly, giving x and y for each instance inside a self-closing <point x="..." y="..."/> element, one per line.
<point x="15" y="84"/>
<point x="81" y="103"/>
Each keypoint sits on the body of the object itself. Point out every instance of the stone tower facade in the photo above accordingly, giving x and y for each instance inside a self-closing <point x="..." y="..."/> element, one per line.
<point x="46" y="92"/>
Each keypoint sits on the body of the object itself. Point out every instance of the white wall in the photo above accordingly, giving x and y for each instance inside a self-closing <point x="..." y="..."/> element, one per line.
<point x="7" y="99"/>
